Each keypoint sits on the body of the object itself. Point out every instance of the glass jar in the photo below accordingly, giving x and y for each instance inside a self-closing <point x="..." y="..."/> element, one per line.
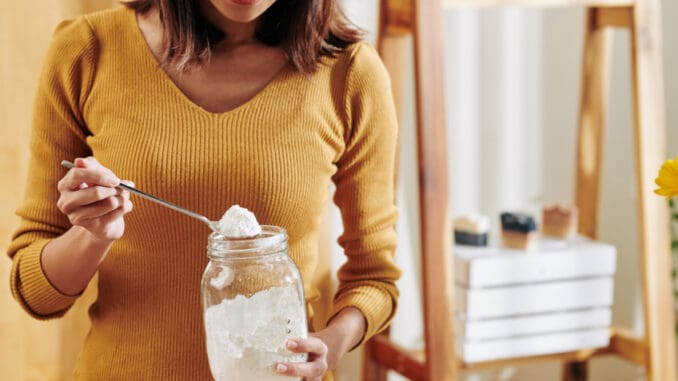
<point x="253" y="301"/>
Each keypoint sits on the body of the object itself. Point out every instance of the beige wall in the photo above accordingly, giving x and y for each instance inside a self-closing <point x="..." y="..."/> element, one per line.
<point x="29" y="350"/>
<point x="671" y="71"/>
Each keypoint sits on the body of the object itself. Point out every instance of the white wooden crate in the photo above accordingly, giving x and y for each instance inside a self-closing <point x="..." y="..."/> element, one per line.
<point x="559" y="342"/>
<point x="550" y="260"/>
<point x="533" y="298"/>
<point x="504" y="327"/>
<point x="553" y="299"/>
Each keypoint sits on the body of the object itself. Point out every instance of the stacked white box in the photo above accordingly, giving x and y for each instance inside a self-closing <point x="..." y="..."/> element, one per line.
<point x="555" y="298"/>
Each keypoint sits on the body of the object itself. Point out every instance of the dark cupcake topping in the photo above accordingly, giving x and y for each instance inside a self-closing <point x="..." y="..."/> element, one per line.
<point x="519" y="222"/>
<point x="470" y="239"/>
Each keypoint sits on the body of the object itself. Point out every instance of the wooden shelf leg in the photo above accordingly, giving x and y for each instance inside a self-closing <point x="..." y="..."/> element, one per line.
<point x="575" y="371"/>
<point x="653" y="217"/>
<point x="590" y="140"/>
<point x="433" y="194"/>
<point x="372" y="371"/>
<point x="393" y="51"/>
<point x="592" y="121"/>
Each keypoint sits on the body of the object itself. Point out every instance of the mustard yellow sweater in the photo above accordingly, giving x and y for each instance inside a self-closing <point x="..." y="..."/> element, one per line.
<point x="102" y="93"/>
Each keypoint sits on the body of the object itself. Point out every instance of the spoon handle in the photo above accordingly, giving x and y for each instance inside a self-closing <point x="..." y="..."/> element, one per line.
<point x="150" y="197"/>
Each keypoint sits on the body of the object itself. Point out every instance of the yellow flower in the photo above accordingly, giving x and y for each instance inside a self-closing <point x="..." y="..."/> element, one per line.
<point x="668" y="179"/>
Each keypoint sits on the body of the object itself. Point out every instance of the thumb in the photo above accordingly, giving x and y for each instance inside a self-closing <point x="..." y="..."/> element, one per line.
<point x="80" y="162"/>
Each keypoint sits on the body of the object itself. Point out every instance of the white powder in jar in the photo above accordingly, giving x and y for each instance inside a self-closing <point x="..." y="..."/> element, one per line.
<point x="246" y="336"/>
<point x="223" y="279"/>
<point x="239" y="222"/>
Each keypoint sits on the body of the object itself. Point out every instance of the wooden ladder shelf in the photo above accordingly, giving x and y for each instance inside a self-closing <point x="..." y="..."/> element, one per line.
<point x="422" y="19"/>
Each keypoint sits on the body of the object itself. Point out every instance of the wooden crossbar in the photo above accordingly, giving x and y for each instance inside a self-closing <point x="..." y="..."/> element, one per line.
<point x="392" y="356"/>
<point x="411" y="363"/>
<point x="629" y="346"/>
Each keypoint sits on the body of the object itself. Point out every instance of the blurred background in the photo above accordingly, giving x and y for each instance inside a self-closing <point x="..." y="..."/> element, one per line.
<point x="512" y="87"/>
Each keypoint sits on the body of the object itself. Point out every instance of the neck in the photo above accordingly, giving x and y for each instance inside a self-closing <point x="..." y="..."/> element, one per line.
<point x="236" y="32"/>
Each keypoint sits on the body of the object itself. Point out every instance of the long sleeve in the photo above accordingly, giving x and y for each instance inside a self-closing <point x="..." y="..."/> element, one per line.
<point x="365" y="194"/>
<point x="58" y="133"/>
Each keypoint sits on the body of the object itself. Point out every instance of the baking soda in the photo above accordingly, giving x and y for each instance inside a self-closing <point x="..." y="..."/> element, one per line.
<point x="223" y="279"/>
<point x="246" y="336"/>
<point x="239" y="222"/>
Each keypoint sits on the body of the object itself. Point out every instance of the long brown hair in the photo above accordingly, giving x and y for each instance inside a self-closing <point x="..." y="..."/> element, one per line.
<point x="305" y="29"/>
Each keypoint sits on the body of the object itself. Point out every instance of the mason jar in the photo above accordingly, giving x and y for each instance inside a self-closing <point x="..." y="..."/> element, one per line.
<point x="253" y="302"/>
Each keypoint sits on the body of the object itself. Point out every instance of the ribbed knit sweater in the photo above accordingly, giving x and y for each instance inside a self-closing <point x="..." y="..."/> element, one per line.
<point x="102" y="93"/>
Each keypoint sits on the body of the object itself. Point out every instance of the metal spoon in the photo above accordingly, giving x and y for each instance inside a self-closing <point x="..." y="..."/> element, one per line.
<point x="212" y="224"/>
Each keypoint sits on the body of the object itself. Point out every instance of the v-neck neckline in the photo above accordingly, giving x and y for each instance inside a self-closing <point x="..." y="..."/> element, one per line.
<point x="150" y="58"/>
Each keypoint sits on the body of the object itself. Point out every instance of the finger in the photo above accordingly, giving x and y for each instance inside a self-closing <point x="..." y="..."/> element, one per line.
<point x="96" y="210"/>
<point x="121" y="192"/>
<point x="69" y="201"/>
<point x="104" y="226"/>
<point x="310" y="345"/>
<point x="124" y="193"/>
<point x="125" y="208"/>
<point x="129" y="183"/>
<point x="76" y="176"/>
<point x="314" y="369"/>
<point x="80" y="162"/>
<point x="92" y="163"/>
<point x="79" y="178"/>
<point x="110" y="217"/>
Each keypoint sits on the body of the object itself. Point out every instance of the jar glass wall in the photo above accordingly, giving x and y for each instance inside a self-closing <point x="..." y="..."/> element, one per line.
<point x="253" y="302"/>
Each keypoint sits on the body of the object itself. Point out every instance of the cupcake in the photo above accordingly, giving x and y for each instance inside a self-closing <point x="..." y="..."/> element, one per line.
<point x="518" y="231"/>
<point x="559" y="221"/>
<point x="471" y="230"/>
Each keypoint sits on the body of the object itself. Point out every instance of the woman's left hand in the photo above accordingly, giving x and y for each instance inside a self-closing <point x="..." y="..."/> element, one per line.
<point x="326" y="347"/>
<point x="315" y="368"/>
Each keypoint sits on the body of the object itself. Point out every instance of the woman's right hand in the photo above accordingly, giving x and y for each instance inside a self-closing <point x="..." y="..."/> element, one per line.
<point x="90" y="200"/>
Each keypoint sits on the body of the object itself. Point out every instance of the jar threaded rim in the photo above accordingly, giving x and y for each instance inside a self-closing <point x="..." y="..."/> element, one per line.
<point x="271" y="240"/>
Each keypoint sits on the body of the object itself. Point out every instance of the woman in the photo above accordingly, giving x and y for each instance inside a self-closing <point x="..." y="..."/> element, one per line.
<point x="206" y="103"/>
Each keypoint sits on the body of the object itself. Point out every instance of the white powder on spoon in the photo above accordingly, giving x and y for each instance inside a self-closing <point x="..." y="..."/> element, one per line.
<point x="239" y="222"/>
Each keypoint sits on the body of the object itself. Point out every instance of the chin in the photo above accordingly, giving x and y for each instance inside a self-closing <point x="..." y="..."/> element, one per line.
<point x="243" y="11"/>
